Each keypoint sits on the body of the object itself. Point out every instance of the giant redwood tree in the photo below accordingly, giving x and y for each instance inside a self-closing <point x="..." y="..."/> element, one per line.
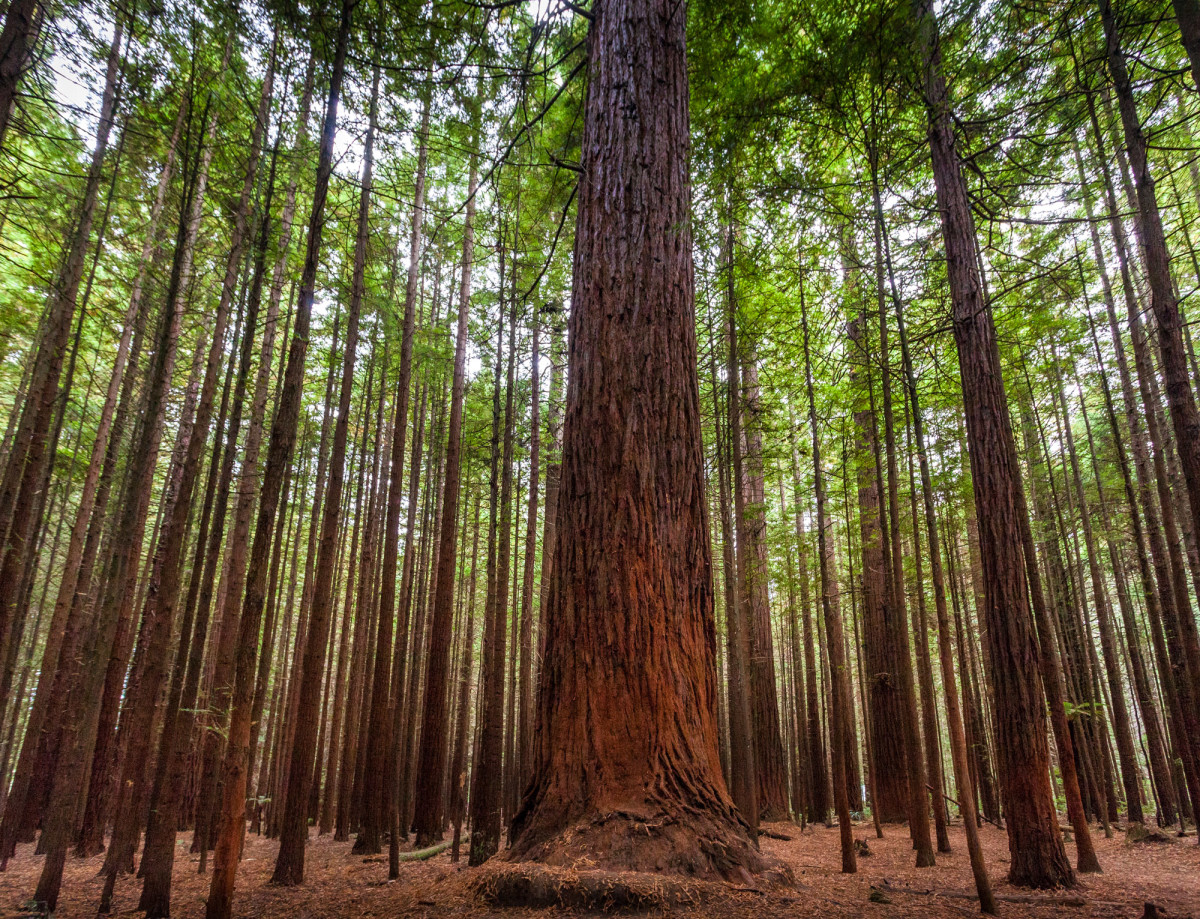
<point x="626" y="766"/>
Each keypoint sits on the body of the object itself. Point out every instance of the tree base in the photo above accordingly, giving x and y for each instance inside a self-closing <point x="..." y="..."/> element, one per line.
<point x="528" y="885"/>
<point x="664" y="850"/>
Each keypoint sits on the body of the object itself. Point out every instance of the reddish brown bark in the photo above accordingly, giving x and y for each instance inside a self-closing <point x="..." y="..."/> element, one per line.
<point x="429" y="805"/>
<point x="634" y="573"/>
<point x="818" y="800"/>
<point x="840" y="693"/>
<point x="283" y="435"/>
<point x="29" y="456"/>
<point x="1181" y="399"/>
<point x="293" y="836"/>
<point x="954" y="718"/>
<point x="385" y="692"/>
<point x="742" y="782"/>
<point x="1035" y="843"/>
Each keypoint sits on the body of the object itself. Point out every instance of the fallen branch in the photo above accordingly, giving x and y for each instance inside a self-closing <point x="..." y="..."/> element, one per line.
<point x="960" y="807"/>
<point x="419" y="855"/>
<point x="771" y="834"/>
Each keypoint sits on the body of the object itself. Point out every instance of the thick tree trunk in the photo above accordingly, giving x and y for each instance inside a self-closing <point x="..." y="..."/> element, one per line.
<point x="631" y="634"/>
<point x="1035" y="843"/>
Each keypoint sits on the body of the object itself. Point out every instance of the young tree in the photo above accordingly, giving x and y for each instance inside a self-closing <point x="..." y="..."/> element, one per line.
<point x="1035" y="843"/>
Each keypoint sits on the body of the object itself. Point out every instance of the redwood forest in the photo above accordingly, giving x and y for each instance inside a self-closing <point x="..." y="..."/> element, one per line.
<point x="727" y="458"/>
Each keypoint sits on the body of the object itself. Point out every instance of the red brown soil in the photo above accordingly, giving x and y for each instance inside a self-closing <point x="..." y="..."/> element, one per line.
<point x="338" y="884"/>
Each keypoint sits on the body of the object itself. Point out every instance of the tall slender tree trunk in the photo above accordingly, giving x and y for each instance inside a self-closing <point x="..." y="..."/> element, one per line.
<point x="743" y="784"/>
<point x="28" y="456"/>
<point x="890" y="799"/>
<point x="749" y="501"/>
<point x="1035" y="843"/>
<point x="66" y="626"/>
<point x="429" y="810"/>
<point x="914" y="757"/>
<point x="1053" y="682"/>
<point x="385" y="697"/>
<point x="1181" y="399"/>
<point x="954" y="718"/>
<point x="293" y="836"/>
<point x="840" y="694"/>
<point x="1108" y="643"/>
<point x="485" y="777"/>
<point x="283" y="436"/>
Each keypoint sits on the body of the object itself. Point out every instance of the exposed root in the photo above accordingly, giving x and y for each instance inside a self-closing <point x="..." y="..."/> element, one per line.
<point x="535" y="886"/>
<point x="689" y="845"/>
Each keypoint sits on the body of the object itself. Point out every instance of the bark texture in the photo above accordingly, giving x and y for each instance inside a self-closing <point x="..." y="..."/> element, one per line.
<point x="626" y="763"/>
<point x="1035" y="843"/>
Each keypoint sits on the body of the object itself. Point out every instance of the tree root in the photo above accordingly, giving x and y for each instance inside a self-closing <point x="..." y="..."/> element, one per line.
<point x="531" y="885"/>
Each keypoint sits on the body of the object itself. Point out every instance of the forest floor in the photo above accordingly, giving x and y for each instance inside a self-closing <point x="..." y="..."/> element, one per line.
<point x="339" y="885"/>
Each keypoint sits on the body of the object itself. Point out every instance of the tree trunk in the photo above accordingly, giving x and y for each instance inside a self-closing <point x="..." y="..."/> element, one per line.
<point x="1187" y="13"/>
<point x="289" y="865"/>
<point x="631" y="633"/>
<point x="28" y="457"/>
<point x="954" y="718"/>
<point x="283" y="436"/>
<point x="485" y="773"/>
<point x="66" y="626"/>
<point x="840" y="695"/>
<point x="890" y="799"/>
<point x="22" y="22"/>
<point x="385" y="697"/>
<point x="1035" y="843"/>
<point x="1181" y="399"/>
<point x="428" y="814"/>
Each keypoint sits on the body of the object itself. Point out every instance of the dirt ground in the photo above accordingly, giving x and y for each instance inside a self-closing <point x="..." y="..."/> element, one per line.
<point x="339" y="885"/>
